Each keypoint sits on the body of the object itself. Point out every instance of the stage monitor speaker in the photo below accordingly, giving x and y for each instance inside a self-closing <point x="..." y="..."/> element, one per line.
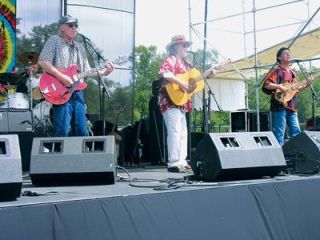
<point x="10" y="168"/>
<point x="233" y="156"/>
<point x="303" y="151"/>
<point x="73" y="161"/>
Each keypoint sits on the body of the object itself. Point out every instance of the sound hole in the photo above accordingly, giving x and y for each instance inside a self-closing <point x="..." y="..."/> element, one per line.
<point x="94" y="146"/>
<point x="229" y="142"/>
<point x="262" y="141"/>
<point x="3" y="149"/>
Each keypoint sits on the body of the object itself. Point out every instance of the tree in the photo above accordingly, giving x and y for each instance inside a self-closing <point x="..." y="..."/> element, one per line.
<point x="147" y="67"/>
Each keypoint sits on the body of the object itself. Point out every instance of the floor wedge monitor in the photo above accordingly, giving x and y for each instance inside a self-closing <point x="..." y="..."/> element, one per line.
<point x="237" y="155"/>
<point x="10" y="168"/>
<point x="73" y="161"/>
<point x="303" y="151"/>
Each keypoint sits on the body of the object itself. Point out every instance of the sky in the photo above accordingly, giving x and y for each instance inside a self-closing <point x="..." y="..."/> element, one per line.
<point x="158" y="21"/>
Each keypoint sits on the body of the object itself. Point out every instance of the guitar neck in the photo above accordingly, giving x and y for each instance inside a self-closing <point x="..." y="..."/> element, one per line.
<point x="91" y="72"/>
<point x="86" y="74"/>
<point x="304" y="82"/>
<point x="202" y="76"/>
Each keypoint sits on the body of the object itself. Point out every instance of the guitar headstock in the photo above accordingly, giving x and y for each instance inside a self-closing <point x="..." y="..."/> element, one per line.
<point x="212" y="70"/>
<point x="120" y="60"/>
<point x="221" y="65"/>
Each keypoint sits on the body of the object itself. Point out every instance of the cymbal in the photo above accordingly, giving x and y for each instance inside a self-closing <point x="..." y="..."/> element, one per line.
<point x="29" y="58"/>
<point x="12" y="78"/>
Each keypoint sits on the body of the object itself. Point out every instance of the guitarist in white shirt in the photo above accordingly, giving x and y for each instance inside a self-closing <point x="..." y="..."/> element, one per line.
<point x="60" y="52"/>
<point x="275" y="81"/>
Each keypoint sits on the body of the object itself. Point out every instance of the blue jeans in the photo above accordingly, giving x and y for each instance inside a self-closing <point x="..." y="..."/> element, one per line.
<point x="70" y="114"/>
<point x="279" y="121"/>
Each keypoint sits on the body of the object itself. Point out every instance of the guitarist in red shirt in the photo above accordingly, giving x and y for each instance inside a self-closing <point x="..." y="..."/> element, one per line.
<point x="59" y="53"/>
<point x="278" y="81"/>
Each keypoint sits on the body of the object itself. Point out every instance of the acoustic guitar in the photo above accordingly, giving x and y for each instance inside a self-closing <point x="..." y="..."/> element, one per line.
<point x="55" y="92"/>
<point x="294" y="88"/>
<point x="195" y="80"/>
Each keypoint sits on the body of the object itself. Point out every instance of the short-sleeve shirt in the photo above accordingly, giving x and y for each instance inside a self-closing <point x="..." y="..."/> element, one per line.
<point x="170" y="64"/>
<point x="62" y="55"/>
<point x="287" y="76"/>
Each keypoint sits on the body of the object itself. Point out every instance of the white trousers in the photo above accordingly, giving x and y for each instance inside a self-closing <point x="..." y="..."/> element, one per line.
<point x="177" y="137"/>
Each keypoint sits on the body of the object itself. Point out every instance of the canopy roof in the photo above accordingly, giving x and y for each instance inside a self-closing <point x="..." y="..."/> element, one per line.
<point x="305" y="47"/>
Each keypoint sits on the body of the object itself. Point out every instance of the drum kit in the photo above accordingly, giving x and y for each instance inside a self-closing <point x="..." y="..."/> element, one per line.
<point x="21" y="92"/>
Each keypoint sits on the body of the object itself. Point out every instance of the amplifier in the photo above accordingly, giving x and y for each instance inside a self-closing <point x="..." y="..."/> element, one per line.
<point x="15" y="120"/>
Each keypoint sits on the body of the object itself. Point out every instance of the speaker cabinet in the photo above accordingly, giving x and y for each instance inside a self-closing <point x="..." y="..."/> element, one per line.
<point x="10" y="168"/>
<point x="246" y="121"/>
<point x="15" y="120"/>
<point x="73" y="161"/>
<point x="303" y="151"/>
<point x="157" y="150"/>
<point x="224" y="156"/>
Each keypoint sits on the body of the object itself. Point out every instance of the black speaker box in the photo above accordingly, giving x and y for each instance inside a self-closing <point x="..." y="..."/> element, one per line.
<point x="246" y="121"/>
<point x="73" y="161"/>
<point x="303" y="151"/>
<point x="228" y="156"/>
<point x="10" y="168"/>
<point x="157" y="148"/>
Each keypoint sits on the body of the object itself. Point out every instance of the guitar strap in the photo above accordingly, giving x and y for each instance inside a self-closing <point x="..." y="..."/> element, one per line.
<point x="72" y="49"/>
<point x="279" y="76"/>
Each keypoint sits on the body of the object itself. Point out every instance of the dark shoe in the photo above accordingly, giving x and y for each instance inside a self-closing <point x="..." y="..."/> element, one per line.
<point x="173" y="169"/>
<point x="182" y="169"/>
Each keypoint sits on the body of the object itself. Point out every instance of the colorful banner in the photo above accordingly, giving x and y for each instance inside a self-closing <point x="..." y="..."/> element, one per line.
<point x="7" y="35"/>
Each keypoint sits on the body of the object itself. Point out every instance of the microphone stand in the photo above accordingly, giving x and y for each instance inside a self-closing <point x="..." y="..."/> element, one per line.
<point x="87" y="42"/>
<point x="313" y="93"/>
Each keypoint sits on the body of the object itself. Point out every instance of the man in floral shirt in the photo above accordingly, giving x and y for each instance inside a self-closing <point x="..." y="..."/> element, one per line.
<point x="175" y="116"/>
<point x="283" y="115"/>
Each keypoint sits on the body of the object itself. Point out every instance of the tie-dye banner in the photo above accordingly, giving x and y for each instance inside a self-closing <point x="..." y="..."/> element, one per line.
<point x="7" y="35"/>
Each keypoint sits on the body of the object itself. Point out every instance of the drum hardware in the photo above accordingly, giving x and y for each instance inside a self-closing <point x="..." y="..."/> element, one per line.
<point x="28" y="58"/>
<point x="42" y="114"/>
<point x="12" y="79"/>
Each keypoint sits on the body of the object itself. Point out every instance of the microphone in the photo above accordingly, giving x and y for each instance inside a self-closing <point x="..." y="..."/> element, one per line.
<point x="82" y="35"/>
<point x="295" y="60"/>
<point x="190" y="58"/>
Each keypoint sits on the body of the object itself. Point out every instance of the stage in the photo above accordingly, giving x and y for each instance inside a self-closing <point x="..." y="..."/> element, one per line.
<point x="284" y="207"/>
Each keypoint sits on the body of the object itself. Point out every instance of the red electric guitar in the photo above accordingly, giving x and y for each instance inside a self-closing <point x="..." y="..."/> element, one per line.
<point x="55" y="92"/>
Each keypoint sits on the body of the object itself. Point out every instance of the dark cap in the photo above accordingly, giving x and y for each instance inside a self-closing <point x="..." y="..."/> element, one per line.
<point x="67" y="19"/>
<point x="280" y="51"/>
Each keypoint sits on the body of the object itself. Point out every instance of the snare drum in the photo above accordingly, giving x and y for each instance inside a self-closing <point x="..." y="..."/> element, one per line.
<point x="42" y="114"/>
<point x="35" y="81"/>
<point x="18" y="100"/>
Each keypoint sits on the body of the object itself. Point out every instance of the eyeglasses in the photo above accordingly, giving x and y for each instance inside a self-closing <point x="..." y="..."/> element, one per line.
<point x="185" y="45"/>
<point x="71" y="25"/>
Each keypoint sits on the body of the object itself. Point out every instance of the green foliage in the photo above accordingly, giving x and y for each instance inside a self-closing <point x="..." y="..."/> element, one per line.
<point x="210" y="56"/>
<point x="147" y="66"/>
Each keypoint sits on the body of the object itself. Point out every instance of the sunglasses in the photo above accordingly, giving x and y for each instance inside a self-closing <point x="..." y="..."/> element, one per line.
<point x="185" y="45"/>
<point x="71" y="25"/>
